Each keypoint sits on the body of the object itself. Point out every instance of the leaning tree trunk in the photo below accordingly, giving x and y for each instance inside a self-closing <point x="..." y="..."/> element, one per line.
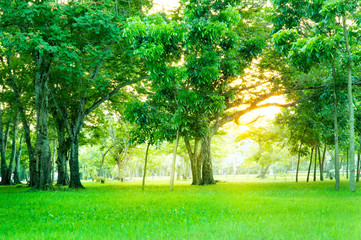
<point x="145" y="165"/>
<point x="171" y="183"/>
<point x="309" y="167"/>
<point x="335" y="126"/>
<point x="74" y="163"/>
<point x="17" y="165"/>
<point x="322" y="162"/>
<point x="207" y="172"/>
<point x="350" y="105"/>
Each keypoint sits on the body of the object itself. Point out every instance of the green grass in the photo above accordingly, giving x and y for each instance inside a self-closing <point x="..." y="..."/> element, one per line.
<point x="261" y="210"/>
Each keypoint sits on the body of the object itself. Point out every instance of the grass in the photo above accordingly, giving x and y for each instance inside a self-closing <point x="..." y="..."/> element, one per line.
<point x="250" y="210"/>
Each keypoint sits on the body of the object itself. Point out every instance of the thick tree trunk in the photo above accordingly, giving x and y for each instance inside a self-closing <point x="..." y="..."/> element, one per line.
<point x="314" y="172"/>
<point x="335" y="127"/>
<point x="195" y="160"/>
<point x="264" y="171"/>
<point x="207" y="171"/>
<point x="309" y="168"/>
<point x="350" y="105"/>
<point x="145" y="165"/>
<point x="43" y="155"/>
<point x="17" y="165"/>
<point x="74" y="163"/>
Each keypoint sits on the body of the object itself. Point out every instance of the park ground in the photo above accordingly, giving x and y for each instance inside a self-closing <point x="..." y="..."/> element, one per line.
<point x="252" y="209"/>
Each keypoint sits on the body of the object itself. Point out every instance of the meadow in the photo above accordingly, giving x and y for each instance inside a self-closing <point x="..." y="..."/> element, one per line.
<point x="228" y="210"/>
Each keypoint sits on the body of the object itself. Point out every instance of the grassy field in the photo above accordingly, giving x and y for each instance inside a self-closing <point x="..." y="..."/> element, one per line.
<point x="249" y="210"/>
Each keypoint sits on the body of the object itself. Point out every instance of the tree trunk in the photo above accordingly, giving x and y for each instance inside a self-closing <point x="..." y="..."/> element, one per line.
<point x="322" y="162"/>
<point x="314" y="172"/>
<point x="298" y="161"/>
<point x="195" y="161"/>
<point x="350" y="105"/>
<point x="63" y="178"/>
<point x="4" y="168"/>
<point x="53" y="163"/>
<point x="335" y="126"/>
<point x="43" y="155"/>
<point x="358" y="166"/>
<point x="207" y="173"/>
<point x="347" y="161"/>
<point x="74" y="163"/>
<point x="309" y="168"/>
<point x="145" y="165"/>
<point x="17" y="165"/>
<point x="264" y="171"/>
<point x="13" y="151"/>
<point x="171" y="184"/>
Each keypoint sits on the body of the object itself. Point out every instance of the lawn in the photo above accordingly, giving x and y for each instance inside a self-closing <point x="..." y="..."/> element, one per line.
<point x="249" y="210"/>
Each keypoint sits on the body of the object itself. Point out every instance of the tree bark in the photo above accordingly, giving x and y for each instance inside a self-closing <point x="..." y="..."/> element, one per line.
<point x="351" y="107"/>
<point x="358" y="166"/>
<point x="195" y="161"/>
<point x="17" y="165"/>
<point x="347" y="161"/>
<point x="74" y="163"/>
<point x="13" y="150"/>
<point x="63" y="178"/>
<point x="145" y="165"/>
<point x="322" y="162"/>
<point x="309" y="168"/>
<point x="4" y="167"/>
<point x="207" y="171"/>
<point x="298" y="161"/>
<point x="335" y="126"/>
<point x="171" y="184"/>
<point x="316" y="153"/>
<point x="43" y="155"/>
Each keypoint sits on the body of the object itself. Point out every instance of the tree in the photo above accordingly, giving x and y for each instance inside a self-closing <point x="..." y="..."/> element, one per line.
<point x="318" y="34"/>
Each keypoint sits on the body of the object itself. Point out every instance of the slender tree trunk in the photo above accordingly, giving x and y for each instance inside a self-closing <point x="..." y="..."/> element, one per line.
<point x="171" y="184"/>
<point x="53" y="162"/>
<point x="358" y="166"/>
<point x="335" y="127"/>
<point x="207" y="171"/>
<point x="351" y="107"/>
<point x="298" y="161"/>
<point x="309" y="168"/>
<point x="13" y="150"/>
<point x="74" y="163"/>
<point x="145" y="165"/>
<point x="347" y="161"/>
<point x="17" y="165"/>
<point x="314" y="172"/>
<point x="4" y="168"/>
<point x="322" y="162"/>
